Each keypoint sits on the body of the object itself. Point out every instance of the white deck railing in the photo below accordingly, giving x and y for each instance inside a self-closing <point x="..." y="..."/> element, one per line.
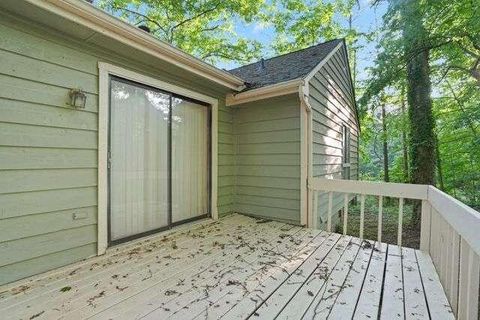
<point x="450" y="231"/>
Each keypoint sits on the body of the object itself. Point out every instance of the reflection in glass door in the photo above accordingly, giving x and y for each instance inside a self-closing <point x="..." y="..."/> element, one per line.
<point x="139" y="159"/>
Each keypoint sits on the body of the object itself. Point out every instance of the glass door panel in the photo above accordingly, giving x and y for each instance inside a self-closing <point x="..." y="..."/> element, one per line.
<point x="139" y="159"/>
<point x="190" y="160"/>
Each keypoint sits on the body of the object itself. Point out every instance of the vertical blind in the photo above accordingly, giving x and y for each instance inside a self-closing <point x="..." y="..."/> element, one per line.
<point x="139" y="147"/>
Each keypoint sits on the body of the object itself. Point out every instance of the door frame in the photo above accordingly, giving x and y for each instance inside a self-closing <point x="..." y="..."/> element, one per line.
<point x="105" y="71"/>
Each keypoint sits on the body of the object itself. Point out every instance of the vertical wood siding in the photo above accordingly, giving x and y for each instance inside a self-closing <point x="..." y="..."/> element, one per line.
<point x="332" y="100"/>
<point x="267" y="154"/>
<point x="48" y="151"/>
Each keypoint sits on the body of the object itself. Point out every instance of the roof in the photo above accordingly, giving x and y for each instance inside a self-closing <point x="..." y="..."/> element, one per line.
<point x="290" y="66"/>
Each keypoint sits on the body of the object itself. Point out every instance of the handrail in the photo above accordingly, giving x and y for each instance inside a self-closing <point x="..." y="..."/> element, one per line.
<point x="450" y="231"/>
<point x="395" y="190"/>
<point x="465" y="220"/>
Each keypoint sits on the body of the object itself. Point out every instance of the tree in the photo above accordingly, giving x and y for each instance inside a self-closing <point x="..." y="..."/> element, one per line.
<point x="204" y="28"/>
<point x="386" y="176"/>
<point x="453" y="28"/>
<point x="449" y="31"/>
<point x="302" y="23"/>
<point x="299" y="24"/>
<point x="422" y="124"/>
<point x="404" y="124"/>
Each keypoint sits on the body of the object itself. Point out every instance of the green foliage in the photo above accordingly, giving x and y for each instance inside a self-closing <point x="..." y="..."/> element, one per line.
<point x="299" y="24"/>
<point x="458" y="128"/>
<point x="204" y="28"/>
<point x="452" y="39"/>
<point x="450" y="33"/>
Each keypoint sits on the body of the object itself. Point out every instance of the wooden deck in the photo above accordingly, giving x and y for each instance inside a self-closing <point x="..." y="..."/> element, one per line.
<point x="237" y="268"/>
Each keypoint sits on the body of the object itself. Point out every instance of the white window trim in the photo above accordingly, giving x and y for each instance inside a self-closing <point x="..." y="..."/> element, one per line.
<point x="105" y="70"/>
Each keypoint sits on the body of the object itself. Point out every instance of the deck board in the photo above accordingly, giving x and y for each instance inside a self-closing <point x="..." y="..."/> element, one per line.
<point x="393" y="295"/>
<point x="323" y="303"/>
<point x="237" y="268"/>
<point x="315" y="283"/>
<point x="415" y="304"/>
<point x="344" y="306"/>
<point x="275" y="302"/>
<point x="368" y="304"/>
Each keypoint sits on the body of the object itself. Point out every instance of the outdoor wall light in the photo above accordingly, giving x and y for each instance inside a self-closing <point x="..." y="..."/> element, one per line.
<point x="78" y="98"/>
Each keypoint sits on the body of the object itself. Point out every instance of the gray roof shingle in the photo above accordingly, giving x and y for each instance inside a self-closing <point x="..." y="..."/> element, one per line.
<point x="290" y="66"/>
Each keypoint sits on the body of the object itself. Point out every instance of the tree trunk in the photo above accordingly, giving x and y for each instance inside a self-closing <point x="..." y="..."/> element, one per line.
<point x="406" y="175"/>
<point x="386" y="175"/>
<point x="422" y="124"/>
<point x="475" y="73"/>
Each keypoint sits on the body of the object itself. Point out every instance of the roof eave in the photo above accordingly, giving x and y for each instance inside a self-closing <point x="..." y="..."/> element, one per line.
<point x="99" y="21"/>
<point x="274" y="90"/>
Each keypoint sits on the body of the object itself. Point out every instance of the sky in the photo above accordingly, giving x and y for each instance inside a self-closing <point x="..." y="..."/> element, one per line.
<point x="365" y="19"/>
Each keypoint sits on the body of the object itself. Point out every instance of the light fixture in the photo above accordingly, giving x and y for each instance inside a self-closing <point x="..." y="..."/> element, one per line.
<point x="78" y="98"/>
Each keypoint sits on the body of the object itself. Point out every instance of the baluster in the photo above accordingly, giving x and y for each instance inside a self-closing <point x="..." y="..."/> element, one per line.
<point x="315" y="209"/>
<point x="345" y="214"/>
<point x="400" y="221"/>
<point x="380" y="218"/>
<point x="329" y="217"/>
<point x="362" y="214"/>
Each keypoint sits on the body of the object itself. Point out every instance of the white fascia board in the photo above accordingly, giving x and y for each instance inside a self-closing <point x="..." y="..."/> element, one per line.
<point x="275" y="90"/>
<point x="101" y="22"/>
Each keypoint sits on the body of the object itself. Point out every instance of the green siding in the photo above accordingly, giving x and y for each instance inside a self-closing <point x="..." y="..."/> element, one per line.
<point x="226" y="169"/>
<point x="267" y="158"/>
<point x="331" y="97"/>
<point x="48" y="151"/>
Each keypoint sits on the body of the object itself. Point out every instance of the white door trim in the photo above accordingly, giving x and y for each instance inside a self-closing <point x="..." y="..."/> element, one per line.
<point x="105" y="70"/>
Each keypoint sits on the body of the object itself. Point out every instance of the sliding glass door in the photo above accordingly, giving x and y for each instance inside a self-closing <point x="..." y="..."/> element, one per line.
<point x="159" y="160"/>
<point x="190" y="158"/>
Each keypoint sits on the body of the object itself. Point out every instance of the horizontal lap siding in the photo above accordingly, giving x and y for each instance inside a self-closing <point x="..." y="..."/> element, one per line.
<point x="48" y="155"/>
<point x="267" y="155"/>
<point x="226" y="169"/>
<point x="48" y="151"/>
<point x="333" y="105"/>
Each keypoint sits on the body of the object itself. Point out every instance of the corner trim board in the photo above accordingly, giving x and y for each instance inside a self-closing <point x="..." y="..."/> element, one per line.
<point x="306" y="154"/>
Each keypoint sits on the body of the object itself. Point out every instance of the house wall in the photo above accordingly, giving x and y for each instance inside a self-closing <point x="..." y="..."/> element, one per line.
<point x="333" y="105"/>
<point x="48" y="151"/>
<point x="267" y="158"/>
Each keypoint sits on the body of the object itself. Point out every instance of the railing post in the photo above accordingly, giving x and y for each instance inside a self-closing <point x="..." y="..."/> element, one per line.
<point x="362" y="214"/>
<point x="425" y="226"/>
<point x="380" y="218"/>
<point x="400" y="222"/>
<point x="345" y="214"/>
